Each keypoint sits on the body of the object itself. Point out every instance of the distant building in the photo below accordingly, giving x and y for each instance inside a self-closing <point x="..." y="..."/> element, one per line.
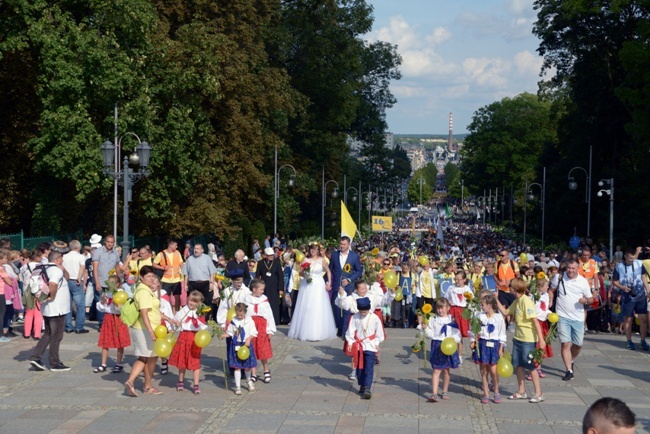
<point x="416" y="157"/>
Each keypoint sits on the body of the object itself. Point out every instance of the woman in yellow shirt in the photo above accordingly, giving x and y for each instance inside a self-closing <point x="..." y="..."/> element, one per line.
<point x="142" y="332"/>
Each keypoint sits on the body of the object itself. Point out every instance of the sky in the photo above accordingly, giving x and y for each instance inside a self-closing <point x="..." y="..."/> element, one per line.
<point x="457" y="56"/>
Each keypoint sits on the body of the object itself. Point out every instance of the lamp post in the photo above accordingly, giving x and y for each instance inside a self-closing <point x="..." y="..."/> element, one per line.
<point x="324" y="202"/>
<point x="542" y="188"/>
<point x="354" y="199"/>
<point x="462" y="194"/>
<point x="421" y="181"/>
<point x="276" y="189"/>
<point x="574" y="185"/>
<point x="610" y="192"/>
<point x="127" y="177"/>
<point x="503" y="204"/>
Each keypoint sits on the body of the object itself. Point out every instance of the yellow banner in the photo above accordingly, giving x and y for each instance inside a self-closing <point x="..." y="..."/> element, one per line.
<point x="382" y="223"/>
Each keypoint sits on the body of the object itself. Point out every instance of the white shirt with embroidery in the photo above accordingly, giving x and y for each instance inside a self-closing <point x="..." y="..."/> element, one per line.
<point x="364" y="327"/>
<point x="260" y="306"/>
<point x="496" y="324"/>
<point x="190" y="320"/>
<point x="437" y="324"/>
<point x="230" y="298"/>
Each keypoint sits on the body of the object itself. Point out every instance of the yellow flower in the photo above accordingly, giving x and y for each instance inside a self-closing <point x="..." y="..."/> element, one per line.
<point x="219" y="277"/>
<point x="427" y="308"/>
<point x="541" y="275"/>
<point x="206" y="309"/>
<point x="375" y="251"/>
<point x="468" y="295"/>
<point x="415" y="349"/>
<point x="347" y="268"/>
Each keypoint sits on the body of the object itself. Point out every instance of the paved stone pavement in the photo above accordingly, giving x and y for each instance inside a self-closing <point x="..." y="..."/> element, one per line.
<point x="310" y="393"/>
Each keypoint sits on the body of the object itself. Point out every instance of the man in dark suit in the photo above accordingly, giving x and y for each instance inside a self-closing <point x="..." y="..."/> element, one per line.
<point x="270" y="271"/>
<point x="345" y="266"/>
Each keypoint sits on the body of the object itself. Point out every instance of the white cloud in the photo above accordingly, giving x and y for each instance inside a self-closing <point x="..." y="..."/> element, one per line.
<point x="527" y="63"/>
<point x="485" y="72"/>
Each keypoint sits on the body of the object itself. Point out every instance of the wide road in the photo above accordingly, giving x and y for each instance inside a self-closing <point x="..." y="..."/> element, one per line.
<point x="310" y="393"/>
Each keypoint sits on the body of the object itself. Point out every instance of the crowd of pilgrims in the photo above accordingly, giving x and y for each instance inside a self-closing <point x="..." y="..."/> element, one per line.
<point x="440" y="269"/>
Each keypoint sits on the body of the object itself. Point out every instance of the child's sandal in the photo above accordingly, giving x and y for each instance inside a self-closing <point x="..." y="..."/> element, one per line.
<point x="117" y="369"/>
<point x="164" y="368"/>
<point x="180" y="386"/>
<point x="197" y="391"/>
<point x="267" y="377"/>
<point x="100" y="368"/>
<point x="254" y="378"/>
<point x="444" y="395"/>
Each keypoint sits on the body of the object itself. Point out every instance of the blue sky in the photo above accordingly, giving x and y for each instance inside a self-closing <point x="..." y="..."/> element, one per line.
<point x="457" y="56"/>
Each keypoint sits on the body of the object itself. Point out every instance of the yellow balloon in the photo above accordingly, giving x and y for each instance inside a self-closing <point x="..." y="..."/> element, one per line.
<point x="202" y="338"/>
<point x="553" y="317"/>
<point x="120" y="297"/>
<point x="448" y="346"/>
<point x="231" y="313"/>
<point x="507" y="355"/>
<point x="162" y="348"/>
<point x="171" y="338"/>
<point x="243" y="353"/>
<point x="390" y="279"/>
<point x="299" y="256"/>
<point x="160" y="331"/>
<point x="423" y="260"/>
<point x="399" y="295"/>
<point x="504" y="367"/>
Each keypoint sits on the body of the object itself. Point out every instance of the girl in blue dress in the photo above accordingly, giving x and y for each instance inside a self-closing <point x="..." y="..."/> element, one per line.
<point x="242" y="330"/>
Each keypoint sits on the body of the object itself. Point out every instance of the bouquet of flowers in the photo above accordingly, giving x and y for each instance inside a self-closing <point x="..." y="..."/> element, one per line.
<point x="306" y="270"/>
<point x="537" y="355"/>
<point x="471" y="312"/>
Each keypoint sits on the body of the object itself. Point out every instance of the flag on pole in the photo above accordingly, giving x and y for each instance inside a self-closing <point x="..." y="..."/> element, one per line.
<point x="447" y="210"/>
<point x="348" y="227"/>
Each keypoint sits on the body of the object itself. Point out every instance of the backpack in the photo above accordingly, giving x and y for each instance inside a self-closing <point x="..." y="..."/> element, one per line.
<point x="157" y="271"/>
<point x="39" y="283"/>
<point x="129" y="312"/>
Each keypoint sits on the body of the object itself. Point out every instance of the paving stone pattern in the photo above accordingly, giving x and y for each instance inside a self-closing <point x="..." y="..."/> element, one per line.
<point x="310" y="392"/>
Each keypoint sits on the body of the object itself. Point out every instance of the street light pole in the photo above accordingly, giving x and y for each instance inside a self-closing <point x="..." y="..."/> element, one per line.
<point x="542" y="188"/>
<point x="324" y="193"/>
<point x="610" y="192"/>
<point x="127" y="177"/>
<point x="462" y="193"/>
<point x="276" y="189"/>
<point x="573" y="185"/>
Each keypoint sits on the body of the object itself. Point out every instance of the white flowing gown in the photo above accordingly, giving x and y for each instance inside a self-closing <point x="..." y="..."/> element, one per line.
<point x="312" y="318"/>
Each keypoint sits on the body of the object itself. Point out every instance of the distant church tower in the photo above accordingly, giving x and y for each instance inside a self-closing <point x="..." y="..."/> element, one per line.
<point x="450" y="143"/>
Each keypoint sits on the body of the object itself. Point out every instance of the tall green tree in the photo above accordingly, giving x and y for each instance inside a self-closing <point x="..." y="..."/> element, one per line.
<point x="505" y="141"/>
<point x="597" y="51"/>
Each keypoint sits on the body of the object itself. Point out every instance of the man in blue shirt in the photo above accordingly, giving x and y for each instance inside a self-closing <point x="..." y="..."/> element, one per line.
<point x="628" y="278"/>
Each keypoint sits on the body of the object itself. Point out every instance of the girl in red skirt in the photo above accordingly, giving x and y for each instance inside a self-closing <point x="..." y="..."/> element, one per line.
<point x="186" y="354"/>
<point x="456" y="297"/>
<point x="262" y="315"/>
<point x="542" y="307"/>
<point x="114" y="333"/>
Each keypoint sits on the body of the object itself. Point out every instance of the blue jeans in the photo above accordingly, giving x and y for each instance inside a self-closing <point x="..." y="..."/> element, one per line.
<point x="97" y="296"/>
<point x="78" y="298"/>
<point x="364" y="376"/>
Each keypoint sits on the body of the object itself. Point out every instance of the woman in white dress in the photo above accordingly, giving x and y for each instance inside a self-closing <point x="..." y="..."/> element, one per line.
<point x="312" y="318"/>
